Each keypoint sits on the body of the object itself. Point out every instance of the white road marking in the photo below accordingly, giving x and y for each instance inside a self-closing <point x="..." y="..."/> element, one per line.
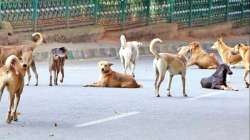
<point x="208" y="95"/>
<point x="122" y="115"/>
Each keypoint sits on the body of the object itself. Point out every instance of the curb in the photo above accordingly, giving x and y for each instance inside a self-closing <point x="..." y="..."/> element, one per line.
<point x="111" y="50"/>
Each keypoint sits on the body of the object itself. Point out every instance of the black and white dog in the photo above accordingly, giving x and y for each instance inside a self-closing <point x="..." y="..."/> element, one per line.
<point x="219" y="79"/>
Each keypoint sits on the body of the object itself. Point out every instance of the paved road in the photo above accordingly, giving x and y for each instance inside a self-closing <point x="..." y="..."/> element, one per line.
<point x="134" y="114"/>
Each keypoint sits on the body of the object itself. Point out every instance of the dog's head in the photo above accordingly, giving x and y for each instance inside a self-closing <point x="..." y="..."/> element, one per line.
<point x="184" y="50"/>
<point x="13" y="63"/>
<point x="225" y="69"/>
<point x="123" y="40"/>
<point x="38" y="38"/>
<point x="217" y="43"/>
<point x="194" y="45"/>
<point x="60" y="54"/>
<point x="237" y="48"/>
<point x="105" y="66"/>
<point x="27" y="58"/>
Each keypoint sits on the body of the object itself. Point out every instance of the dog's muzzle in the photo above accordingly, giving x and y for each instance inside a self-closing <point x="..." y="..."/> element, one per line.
<point x="25" y="65"/>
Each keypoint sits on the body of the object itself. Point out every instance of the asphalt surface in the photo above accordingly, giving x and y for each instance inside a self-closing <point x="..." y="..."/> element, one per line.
<point x="70" y="111"/>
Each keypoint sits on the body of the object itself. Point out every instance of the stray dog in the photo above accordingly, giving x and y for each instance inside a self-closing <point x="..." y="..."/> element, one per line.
<point x="56" y="63"/>
<point x="244" y="52"/>
<point x="24" y="52"/>
<point x="12" y="76"/>
<point x="201" y="58"/>
<point x="129" y="53"/>
<point x="163" y="62"/>
<point x="219" y="79"/>
<point x="110" y="78"/>
<point x="226" y="53"/>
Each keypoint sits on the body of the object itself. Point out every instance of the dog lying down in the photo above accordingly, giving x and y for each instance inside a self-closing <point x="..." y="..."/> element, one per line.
<point x="110" y="78"/>
<point x="219" y="79"/>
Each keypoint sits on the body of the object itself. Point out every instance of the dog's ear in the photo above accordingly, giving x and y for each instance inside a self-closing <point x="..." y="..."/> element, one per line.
<point x="110" y="64"/>
<point x="195" y="45"/>
<point x="178" y="49"/>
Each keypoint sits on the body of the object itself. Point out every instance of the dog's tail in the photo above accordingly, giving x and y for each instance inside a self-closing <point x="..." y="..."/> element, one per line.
<point x="152" y="47"/>
<point x="123" y="41"/>
<point x="10" y="61"/>
<point x="37" y="39"/>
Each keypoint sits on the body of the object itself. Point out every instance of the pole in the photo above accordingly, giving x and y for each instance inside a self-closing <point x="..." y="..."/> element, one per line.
<point x="34" y="14"/>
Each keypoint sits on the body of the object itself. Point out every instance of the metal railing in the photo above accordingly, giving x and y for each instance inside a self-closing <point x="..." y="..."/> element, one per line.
<point x="46" y="14"/>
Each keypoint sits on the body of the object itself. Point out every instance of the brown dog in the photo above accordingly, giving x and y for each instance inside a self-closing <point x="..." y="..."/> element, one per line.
<point x="24" y="52"/>
<point x="110" y="78"/>
<point x="12" y="76"/>
<point x="201" y="58"/>
<point x="226" y="53"/>
<point x="163" y="62"/>
<point x="244" y="52"/>
<point x="56" y="63"/>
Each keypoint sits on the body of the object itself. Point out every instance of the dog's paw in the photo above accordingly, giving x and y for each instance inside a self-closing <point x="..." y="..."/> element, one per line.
<point x="169" y="95"/>
<point x="247" y="85"/>
<point x="15" y="118"/>
<point x="185" y="95"/>
<point x="27" y="84"/>
<point x="158" y="95"/>
<point x="36" y="84"/>
<point x="9" y="119"/>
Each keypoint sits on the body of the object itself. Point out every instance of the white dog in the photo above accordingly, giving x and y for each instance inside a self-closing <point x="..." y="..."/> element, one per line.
<point x="129" y="53"/>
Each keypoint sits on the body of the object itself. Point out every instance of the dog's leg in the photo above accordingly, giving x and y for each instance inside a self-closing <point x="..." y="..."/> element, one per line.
<point x="169" y="84"/>
<point x="183" y="85"/>
<point x="50" y="77"/>
<point x="33" y="67"/>
<point x="133" y="68"/>
<point x="62" y="72"/>
<point x="55" y="77"/>
<point x="212" y="67"/>
<point x="246" y="78"/>
<point x="161" y="78"/>
<point x="126" y="66"/>
<point x="29" y="76"/>
<point x="16" y="102"/>
<point x="156" y="76"/>
<point x="2" y="86"/>
<point x="11" y="101"/>
<point x="96" y="84"/>
<point x="123" y="62"/>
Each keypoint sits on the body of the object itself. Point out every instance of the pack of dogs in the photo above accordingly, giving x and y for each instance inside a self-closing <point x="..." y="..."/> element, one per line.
<point x="16" y="61"/>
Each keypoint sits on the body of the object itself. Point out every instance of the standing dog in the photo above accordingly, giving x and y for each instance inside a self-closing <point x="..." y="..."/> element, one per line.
<point x="129" y="53"/>
<point x="163" y="62"/>
<point x="226" y="53"/>
<point x="12" y="76"/>
<point x="110" y="78"/>
<point x="219" y="79"/>
<point x="244" y="52"/>
<point x="201" y="58"/>
<point x="24" y="52"/>
<point x="56" y="63"/>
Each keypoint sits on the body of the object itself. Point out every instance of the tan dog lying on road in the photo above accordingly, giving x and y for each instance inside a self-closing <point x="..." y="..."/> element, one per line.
<point x="24" y="52"/>
<point x="226" y="53"/>
<point x="244" y="52"/>
<point x="201" y="58"/>
<point x="12" y="76"/>
<point x="110" y="78"/>
<point x="163" y="62"/>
